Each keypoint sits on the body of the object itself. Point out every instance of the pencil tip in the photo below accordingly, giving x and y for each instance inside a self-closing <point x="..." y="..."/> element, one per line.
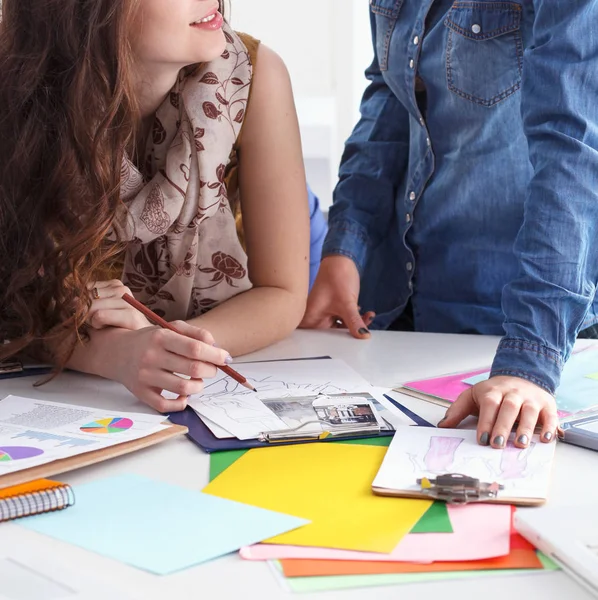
<point x="254" y="390"/>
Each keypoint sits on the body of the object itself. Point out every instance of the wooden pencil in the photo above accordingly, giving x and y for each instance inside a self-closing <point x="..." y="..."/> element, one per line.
<point x="157" y="320"/>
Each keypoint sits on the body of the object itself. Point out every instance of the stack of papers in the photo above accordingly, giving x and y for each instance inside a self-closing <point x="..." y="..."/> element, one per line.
<point x="578" y="390"/>
<point x="357" y="539"/>
<point x="36" y="432"/>
<point x="294" y="399"/>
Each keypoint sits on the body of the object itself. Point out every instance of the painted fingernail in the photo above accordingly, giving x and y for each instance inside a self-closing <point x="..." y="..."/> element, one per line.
<point x="523" y="440"/>
<point x="229" y="359"/>
<point x="499" y="441"/>
<point x="363" y="331"/>
<point x="548" y="436"/>
<point x="485" y="438"/>
<point x="215" y="345"/>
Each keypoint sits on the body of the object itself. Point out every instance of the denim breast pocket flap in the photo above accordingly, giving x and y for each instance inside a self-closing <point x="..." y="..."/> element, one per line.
<point x="480" y="21"/>
<point x="386" y="8"/>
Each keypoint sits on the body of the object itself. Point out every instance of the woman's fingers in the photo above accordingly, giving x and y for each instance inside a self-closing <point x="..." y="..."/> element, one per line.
<point x="463" y="406"/>
<point x="507" y="415"/>
<point x="184" y="345"/>
<point x="197" y="333"/>
<point x="489" y="403"/>
<point x="153" y="398"/>
<point x="163" y="380"/>
<point x="196" y="369"/>
<point x="528" y="418"/>
<point x="550" y="422"/>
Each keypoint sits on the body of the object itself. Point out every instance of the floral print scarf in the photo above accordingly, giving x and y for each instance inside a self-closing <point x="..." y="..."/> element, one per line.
<point x="183" y="254"/>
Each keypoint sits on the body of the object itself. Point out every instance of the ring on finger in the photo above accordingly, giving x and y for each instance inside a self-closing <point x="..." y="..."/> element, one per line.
<point x="95" y="294"/>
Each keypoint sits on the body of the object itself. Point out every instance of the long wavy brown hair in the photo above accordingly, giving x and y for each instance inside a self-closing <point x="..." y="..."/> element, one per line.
<point x="67" y="114"/>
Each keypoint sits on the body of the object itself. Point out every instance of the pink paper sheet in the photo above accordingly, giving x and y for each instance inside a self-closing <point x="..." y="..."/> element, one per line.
<point x="479" y="531"/>
<point x="448" y="387"/>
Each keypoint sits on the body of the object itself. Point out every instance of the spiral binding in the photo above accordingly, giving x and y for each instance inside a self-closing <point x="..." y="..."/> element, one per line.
<point x="33" y="503"/>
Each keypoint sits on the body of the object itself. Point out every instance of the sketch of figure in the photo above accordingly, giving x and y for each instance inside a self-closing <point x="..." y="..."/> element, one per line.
<point x="440" y="457"/>
<point x="441" y="454"/>
<point x="513" y="462"/>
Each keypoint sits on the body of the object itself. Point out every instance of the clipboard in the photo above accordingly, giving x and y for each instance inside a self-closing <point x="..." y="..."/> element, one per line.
<point x="449" y="465"/>
<point x="89" y="458"/>
<point x="200" y="435"/>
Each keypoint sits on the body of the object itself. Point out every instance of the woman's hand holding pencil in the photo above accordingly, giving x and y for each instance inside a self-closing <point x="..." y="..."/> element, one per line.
<point x="148" y="359"/>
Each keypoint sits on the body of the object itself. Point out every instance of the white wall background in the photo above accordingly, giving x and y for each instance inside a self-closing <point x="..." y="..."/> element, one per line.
<point x="326" y="46"/>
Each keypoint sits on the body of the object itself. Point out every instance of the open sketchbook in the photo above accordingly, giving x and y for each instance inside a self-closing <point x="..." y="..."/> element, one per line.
<point x="418" y="452"/>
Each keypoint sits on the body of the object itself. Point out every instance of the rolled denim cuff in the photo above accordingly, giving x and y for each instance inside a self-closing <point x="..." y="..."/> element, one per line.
<point x="347" y="238"/>
<point x="536" y="363"/>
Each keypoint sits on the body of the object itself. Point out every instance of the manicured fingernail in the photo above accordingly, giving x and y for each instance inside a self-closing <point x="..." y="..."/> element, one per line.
<point x="215" y="345"/>
<point x="499" y="441"/>
<point x="548" y="436"/>
<point x="363" y="331"/>
<point x="523" y="440"/>
<point x="229" y="359"/>
<point x="485" y="438"/>
<point x="442" y="420"/>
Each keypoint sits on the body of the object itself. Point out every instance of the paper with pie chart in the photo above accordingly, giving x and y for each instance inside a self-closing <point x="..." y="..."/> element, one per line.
<point x="35" y="432"/>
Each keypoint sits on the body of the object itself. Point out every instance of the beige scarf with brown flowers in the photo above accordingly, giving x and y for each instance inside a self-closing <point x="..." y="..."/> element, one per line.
<point x="184" y="255"/>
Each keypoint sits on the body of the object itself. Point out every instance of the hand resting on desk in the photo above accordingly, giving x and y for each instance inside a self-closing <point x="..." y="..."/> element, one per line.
<point x="500" y="402"/>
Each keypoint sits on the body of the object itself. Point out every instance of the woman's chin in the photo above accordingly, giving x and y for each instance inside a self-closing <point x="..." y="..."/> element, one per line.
<point x="214" y="49"/>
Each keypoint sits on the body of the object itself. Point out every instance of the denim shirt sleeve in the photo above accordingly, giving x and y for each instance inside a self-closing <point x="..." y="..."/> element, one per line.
<point x="557" y="245"/>
<point x="373" y="163"/>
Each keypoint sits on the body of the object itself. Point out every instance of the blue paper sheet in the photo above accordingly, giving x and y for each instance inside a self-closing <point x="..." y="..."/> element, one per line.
<point x="577" y="391"/>
<point x="156" y="526"/>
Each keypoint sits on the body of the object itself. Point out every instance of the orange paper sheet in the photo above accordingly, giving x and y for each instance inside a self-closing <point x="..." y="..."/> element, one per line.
<point x="517" y="559"/>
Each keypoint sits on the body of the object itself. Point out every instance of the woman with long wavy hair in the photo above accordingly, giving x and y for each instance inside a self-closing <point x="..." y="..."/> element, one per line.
<point x="121" y="159"/>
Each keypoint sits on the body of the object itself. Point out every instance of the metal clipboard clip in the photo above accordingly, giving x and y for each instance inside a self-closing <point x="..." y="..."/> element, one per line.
<point x="455" y="488"/>
<point x="296" y="435"/>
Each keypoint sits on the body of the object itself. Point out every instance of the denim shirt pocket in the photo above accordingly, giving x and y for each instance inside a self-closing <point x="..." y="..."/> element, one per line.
<point x="387" y="13"/>
<point x="484" y="51"/>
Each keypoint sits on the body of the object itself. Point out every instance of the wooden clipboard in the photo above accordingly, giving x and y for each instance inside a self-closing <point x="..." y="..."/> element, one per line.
<point x="89" y="458"/>
<point x="420" y="496"/>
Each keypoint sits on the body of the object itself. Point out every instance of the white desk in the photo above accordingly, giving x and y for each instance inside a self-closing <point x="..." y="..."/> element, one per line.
<point x="387" y="359"/>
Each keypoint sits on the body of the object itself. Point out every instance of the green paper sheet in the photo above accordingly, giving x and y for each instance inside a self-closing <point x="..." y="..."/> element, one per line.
<point x="343" y="582"/>
<point x="220" y="461"/>
<point x="435" y="520"/>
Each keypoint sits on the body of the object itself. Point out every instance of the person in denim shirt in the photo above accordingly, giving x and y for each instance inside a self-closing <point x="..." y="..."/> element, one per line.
<point x="468" y="194"/>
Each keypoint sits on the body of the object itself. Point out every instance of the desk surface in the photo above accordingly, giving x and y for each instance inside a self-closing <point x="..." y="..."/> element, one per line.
<point x="386" y="360"/>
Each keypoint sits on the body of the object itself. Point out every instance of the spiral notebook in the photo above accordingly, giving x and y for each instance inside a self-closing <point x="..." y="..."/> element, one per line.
<point x="34" y="498"/>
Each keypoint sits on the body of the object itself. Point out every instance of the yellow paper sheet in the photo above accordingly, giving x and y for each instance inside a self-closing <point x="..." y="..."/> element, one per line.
<point x="329" y="484"/>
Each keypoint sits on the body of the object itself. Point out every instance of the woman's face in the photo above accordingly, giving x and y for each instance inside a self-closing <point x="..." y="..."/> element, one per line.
<point x="177" y="33"/>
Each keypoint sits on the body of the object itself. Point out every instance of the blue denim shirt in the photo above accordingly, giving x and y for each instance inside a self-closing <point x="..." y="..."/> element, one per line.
<point x="317" y="234"/>
<point x="480" y="204"/>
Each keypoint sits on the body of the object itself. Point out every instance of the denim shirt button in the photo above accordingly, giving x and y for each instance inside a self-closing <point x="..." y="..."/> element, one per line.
<point x="421" y="121"/>
<point x="428" y="141"/>
<point x="409" y="266"/>
<point x="412" y="196"/>
<point x="416" y="40"/>
<point x="476" y="28"/>
<point x="411" y="64"/>
<point x="408" y="218"/>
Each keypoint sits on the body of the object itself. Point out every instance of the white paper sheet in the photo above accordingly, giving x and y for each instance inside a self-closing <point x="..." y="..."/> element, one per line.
<point x="417" y="452"/>
<point x="241" y="412"/>
<point x="35" y="432"/>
